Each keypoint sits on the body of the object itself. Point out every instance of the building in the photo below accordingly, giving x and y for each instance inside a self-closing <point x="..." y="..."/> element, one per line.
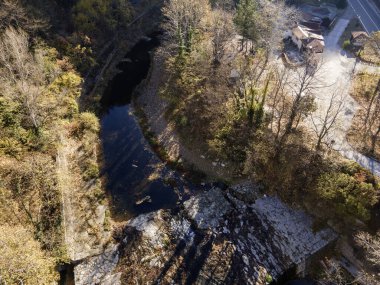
<point x="324" y="14"/>
<point x="308" y="38"/>
<point x="315" y="45"/>
<point x="358" y="38"/>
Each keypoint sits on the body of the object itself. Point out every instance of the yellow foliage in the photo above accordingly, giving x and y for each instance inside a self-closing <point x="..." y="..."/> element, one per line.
<point x="21" y="260"/>
<point x="100" y="16"/>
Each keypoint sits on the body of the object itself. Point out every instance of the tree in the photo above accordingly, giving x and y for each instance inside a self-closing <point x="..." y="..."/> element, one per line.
<point x="13" y="14"/>
<point x="222" y="32"/>
<point x="264" y="23"/>
<point x="333" y="273"/>
<point x="184" y="18"/>
<point x="371" y="122"/>
<point x="349" y="196"/>
<point x="249" y="94"/>
<point x="326" y="120"/>
<point x="21" y="73"/>
<point x="245" y="21"/>
<point x="100" y="18"/>
<point x="304" y="83"/>
<point x="32" y="186"/>
<point x="21" y="260"/>
<point x="371" y="245"/>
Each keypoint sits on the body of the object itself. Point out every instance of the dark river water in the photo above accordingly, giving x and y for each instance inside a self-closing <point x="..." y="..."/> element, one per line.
<point x="136" y="178"/>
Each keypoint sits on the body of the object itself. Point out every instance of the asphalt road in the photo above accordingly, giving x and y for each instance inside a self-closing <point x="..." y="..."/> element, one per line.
<point x="368" y="14"/>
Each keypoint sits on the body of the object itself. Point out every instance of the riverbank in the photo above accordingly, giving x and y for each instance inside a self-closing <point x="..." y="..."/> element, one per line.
<point x="155" y="107"/>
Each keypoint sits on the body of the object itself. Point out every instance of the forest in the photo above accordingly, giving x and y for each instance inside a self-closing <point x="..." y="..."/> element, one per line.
<point x="230" y="108"/>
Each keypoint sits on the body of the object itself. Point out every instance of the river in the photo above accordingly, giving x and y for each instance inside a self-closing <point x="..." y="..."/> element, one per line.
<point x="137" y="180"/>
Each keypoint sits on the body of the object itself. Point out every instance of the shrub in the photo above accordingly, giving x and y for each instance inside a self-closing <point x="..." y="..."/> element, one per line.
<point x="91" y="171"/>
<point x="349" y="197"/>
<point x="86" y="122"/>
<point x="346" y="44"/>
<point x="21" y="260"/>
<point x="268" y="278"/>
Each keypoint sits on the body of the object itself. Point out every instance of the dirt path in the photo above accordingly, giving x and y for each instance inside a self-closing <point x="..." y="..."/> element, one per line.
<point x="83" y="221"/>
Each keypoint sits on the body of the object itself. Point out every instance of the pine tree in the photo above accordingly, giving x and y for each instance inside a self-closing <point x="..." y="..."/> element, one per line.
<point x="245" y="20"/>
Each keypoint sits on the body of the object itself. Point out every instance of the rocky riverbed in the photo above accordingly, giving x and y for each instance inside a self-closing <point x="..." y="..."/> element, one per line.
<point x="232" y="236"/>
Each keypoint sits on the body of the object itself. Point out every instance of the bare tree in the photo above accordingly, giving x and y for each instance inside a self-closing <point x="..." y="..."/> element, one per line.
<point x="278" y="99"/>
<point x="326" y="121"/>
<point x="13" y="14"/>
<point x="372" y="119"/>
<point x="375" y="96"/>
<point x="273" y="19"/>
<point x="222" y="32"/>
<point x="374" y="43"/>
<point x="21" y="72"/>
<point x="305" y="83"/>
<point x="183" y="19"/>
<point x="333" y="274"/>
<point x="371" y="245"/>
<point x="250" y="93"/>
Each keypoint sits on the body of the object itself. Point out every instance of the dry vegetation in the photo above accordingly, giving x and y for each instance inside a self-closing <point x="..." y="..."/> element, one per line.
<point x="364" y="135"/>
<point x="371" y="49"/>
<point x="48" y="156"/>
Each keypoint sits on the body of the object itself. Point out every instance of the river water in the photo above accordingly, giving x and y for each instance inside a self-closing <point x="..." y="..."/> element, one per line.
<point x="136" y="178"/>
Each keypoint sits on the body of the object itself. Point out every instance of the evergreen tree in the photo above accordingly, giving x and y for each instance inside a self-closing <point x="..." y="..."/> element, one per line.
<point x="245" y="20"/>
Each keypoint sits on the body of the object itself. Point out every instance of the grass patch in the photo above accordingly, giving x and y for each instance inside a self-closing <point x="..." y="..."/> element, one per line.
<point x="369" y="55"/>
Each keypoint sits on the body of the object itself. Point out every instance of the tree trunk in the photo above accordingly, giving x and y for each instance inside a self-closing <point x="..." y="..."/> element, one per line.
<point x="374" y="139"/>
<point x="375" y="94"/>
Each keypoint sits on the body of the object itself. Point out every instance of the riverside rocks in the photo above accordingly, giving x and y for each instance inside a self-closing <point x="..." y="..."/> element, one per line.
<point x="99" y="269"/>
<point x="218" y="237"/>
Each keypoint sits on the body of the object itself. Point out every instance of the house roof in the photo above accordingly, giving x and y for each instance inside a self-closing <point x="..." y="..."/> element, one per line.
<point x="311" y="25"/>
<point x="312" y="31"/>
<point x="314" y="35"/>
<point x="300" y="33"/>
<point x="316" y="45"/>
<point x="357" y="34"/>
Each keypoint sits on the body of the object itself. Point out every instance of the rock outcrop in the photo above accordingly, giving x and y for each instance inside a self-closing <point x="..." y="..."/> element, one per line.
<point x="99" y="269"/>
<point x="218" y="237"/>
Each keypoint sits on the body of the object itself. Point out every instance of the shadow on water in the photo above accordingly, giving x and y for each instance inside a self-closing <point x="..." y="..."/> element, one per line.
<point x="133" y="69"/>
<point x="136" y="178"/>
